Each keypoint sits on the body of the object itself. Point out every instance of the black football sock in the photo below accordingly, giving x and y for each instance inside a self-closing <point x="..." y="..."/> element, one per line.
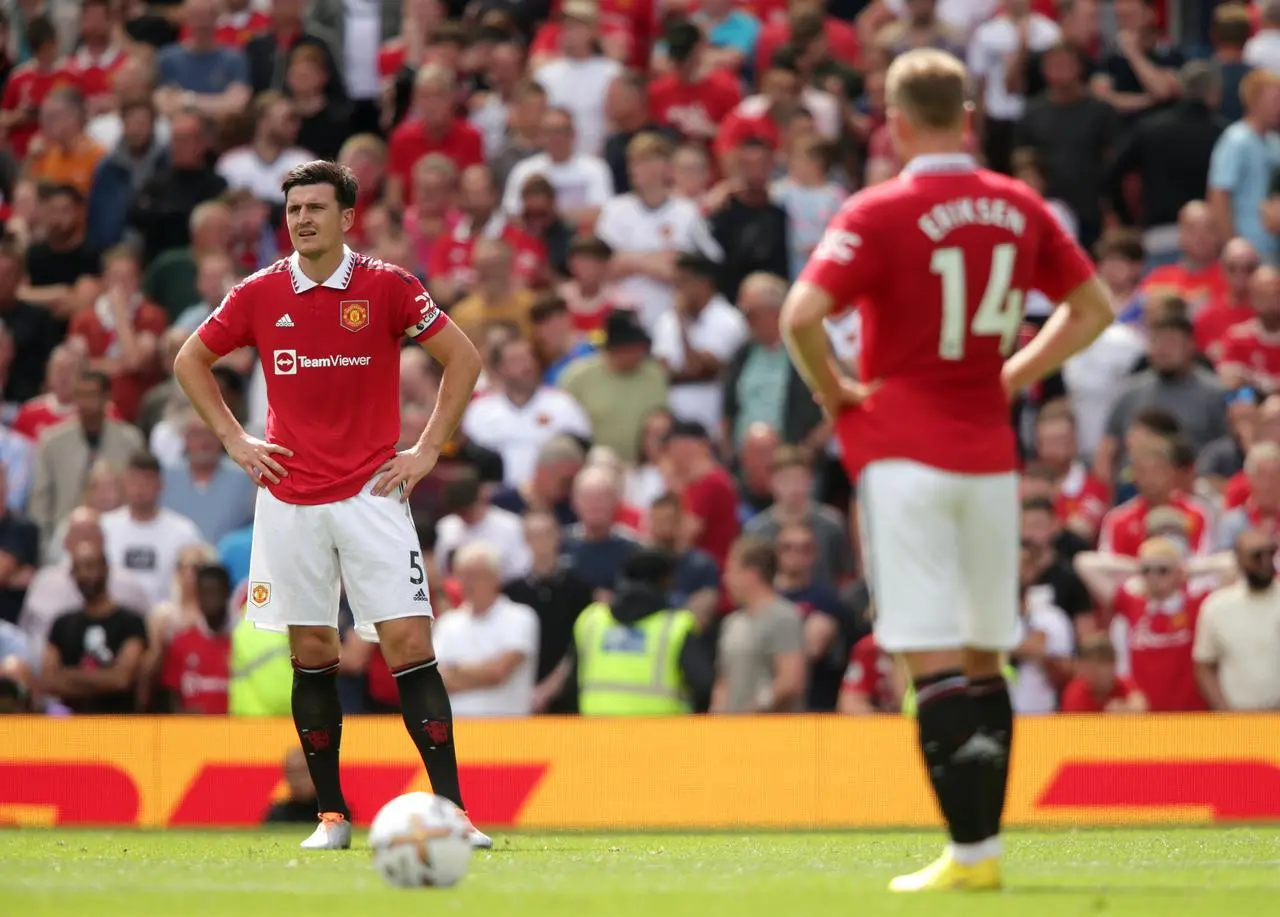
<point x="428" y="716"/>
<point x="994" y="712"/>
<point x="945" y="717"/>
<point x="317" y="713"/>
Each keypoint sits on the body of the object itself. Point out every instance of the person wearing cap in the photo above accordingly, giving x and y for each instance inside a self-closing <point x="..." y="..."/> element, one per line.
<point x="1097" y="686"/>
<point x="696" y="339"/>
<point x="578" y="78"/>
<point x="636" y="656"/>
<point x="619" y="385"/>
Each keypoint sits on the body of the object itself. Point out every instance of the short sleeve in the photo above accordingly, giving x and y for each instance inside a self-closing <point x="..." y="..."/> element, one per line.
<point x="667" y="345"/>
<point x="845" y="264"/>
<point x="609" y="225"/>
<point x="1059" y="640"/>
<point x="1061" y="265"/>
<point x="1205" y="650"/>
<point x="416" y="311"/>
<point x="1224" y="164"/>
<point x="786" y="635"/>
<point x="134" y="627"/>
<point x="230" y="326"/>
<point x="522" y="635"/>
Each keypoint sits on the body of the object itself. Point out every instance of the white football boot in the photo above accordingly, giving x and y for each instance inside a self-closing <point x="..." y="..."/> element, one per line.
<point x="333" y="833"/>
<point x="479" y="840"/>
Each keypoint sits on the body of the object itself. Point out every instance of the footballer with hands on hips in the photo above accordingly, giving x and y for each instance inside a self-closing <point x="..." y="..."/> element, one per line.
<point x="328" y="325"/>
<point x="938" y="261"/>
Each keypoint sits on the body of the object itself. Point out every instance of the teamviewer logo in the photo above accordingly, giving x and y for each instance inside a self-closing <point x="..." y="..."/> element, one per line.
<point x="286" y="362"/>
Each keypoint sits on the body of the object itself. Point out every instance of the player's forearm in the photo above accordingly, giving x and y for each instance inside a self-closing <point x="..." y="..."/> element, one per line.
<point x="1210" y="686"/>
<point x="196" y="379"/>
<point x="457" y="384"/>
<point x="806" y="338"/>
<point x="1073" y="326"/>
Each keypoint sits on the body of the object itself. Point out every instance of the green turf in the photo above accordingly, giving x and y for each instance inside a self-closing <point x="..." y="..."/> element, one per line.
<point x="1166" y="872"/>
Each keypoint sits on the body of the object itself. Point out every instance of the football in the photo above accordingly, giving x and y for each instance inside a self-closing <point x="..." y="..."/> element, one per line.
<point x="420" y="840"/>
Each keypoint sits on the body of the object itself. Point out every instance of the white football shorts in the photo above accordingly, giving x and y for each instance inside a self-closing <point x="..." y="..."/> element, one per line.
<point x="303" y="555"/>
<point x="941" y="553"/>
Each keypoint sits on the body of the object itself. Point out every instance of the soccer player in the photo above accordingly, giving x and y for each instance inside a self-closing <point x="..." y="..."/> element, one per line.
<point x="328" y="325"/>
<point x="939" y="261"/>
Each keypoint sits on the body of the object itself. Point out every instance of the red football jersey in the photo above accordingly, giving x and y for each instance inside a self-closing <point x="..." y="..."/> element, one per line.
<point x="95" y="73"/>
<point x="1214" y="321"/>
<point x="409" y="142"/>
<point x="1077" y="698"/>
<point x="1251" y="348"/>
<point x="331" y="352"/>
<point x="713" y="500"/>
<point x="1161" y="635"/>
<point x="197" y="668"/>
<point x="939" y="261"/>
<point x="1199" y="288"/>
<point x="1081" y="494"/>
<point x="26" y="90"/>
<point x="842" y="41"/>
<point x="750" y="120"/>
<point x="686" y="106"/>
<point x="1238" y="491"/>
<point x="870" y="673"/>
<point x="635" y="22"/>
<point x="44" y="411"/>
<point x="452" y="254"/>
<point x="235" y="29"/>
<point x="1124" y="528"/>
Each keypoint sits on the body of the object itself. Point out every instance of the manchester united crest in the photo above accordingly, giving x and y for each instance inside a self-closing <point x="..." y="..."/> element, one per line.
<point x="355" y="314"/>
<point x="259" y="593"/>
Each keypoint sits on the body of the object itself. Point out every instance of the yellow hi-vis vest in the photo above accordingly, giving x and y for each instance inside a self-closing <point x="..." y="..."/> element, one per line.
<point x="631" y="670"/>
<point x="261" y="672"/>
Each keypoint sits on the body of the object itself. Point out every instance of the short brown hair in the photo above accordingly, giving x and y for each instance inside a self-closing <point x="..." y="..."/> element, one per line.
<point x="756" y="554"/>
<point x="1057" y="409"/>
<point x="311" y="54"/>
<point x="590" y="246"/>
<point x="1232" y="25"/>
<point x="323" y="172"/>
<point x="785" y="457"/>
<point x="122" y="252"/>
<point x="1120" y="243"/>
<point x="1098" y="647"/>
<point x="649" y="143"/>
<point x="929" y="86"/>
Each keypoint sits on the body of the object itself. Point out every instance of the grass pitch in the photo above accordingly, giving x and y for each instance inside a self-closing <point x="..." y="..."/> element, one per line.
<point x="1165" y="872"/>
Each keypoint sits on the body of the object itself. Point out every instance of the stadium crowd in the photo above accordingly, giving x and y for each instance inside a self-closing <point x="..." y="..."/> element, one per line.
<point x="611" y="199"/>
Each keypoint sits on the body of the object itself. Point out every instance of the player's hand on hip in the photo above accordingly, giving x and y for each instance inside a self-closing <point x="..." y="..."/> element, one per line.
<point x="407" y="469"/>
<point x="847" y="394"/>
<point x="257" y="458"/>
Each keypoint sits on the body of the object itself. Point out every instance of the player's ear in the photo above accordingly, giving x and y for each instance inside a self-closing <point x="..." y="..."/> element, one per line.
<point x="967" y="119"/>
<point x="348" y="219"/>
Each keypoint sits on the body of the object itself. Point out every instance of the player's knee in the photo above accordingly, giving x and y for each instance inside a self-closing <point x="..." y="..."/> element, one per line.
<point x="314" y="646"/>
<point x="406" y="640"/>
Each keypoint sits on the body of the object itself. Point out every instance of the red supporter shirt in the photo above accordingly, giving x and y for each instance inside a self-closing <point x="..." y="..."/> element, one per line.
<point x="452" y="254"/>
<point x="1213" y="322"/>
<point x="94" y="74"/>
<point x="1237" y="491"/>
<point x="235" y="29"/>
<point x="1249" y="347"/>
<point x="332" y="369"/>
<point x="197" y="668"/>
<point x="1124" y="528"/>
<point x="1199" y="288"/>
<point x="749" y="121"/>
<point x="26" y="89"/>
<point x="44" y="411"/>
<point x="870" y="673"/>
<point x="410" y="142"/>
<point x="842" y="41"/>
<point x="939" y="260"/>
<point x="1081" y="494"/>
<point x="1077" y="698"/>
<point x="685" y="106"/>
<point x="1160" y="638"/>
<point x="633" y="21"/>
<point x="713" y="498"/>
<point x="127" y="388"/>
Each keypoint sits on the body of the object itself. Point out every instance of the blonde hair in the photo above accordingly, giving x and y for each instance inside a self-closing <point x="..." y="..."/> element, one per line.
<point x="371" y="144"/>
<point x="1258" y="453"/>
<point x="929" y="87"/>
<point x="478" y="552"/>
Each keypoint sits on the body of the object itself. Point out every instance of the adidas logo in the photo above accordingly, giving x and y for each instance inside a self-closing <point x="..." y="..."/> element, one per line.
<point x="421" y="596"/>
<point x="285" y="321"/>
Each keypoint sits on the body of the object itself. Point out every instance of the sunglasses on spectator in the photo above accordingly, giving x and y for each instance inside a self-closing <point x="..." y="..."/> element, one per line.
<point x="1155" y="570"/>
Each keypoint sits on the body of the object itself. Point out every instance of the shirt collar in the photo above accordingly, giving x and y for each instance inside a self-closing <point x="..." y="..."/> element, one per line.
<point x="338" y="280"/>
<point x="933" y="163"/>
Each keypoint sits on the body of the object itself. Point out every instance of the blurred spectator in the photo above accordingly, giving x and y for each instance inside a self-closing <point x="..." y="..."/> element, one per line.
<point x="261" y="165"/>
<point x="215" y="276"/>
<point x="695" y="96"/>
<point x="179" y="610"/>
<point x="648" y="230"/>
<point x="1224" y="458"/>
<point x="127" y="167"/>
<point x="143" y="536"/>
<point x="1239" y="261"/>
<point x="1050" y="551"/>
<point x="300" y="805"/>
<point x="120" y="333"/>
<point x="1170" y="152"/>
<point x="496" y="294"/>
<point x="93" y="656"/>
<point x="1261" y="511"/>
<point x="557" y="596"/>
<point x="731" y="36"/>
<point x="749" y="227"/>
<point x="29" y="83"/>
<point x="872" y="683"/>
<point x="780" y="31"/>
<point x="471" y="519"/>
<point x="18" y="665"/>
<point x="760" y="384"/>
<point x="581" y="181"/>
<point x="324" y="123"/>
<point x="557" y="344"/>
<point x="172" y="279"/>
<point x="645" y="480"/>
<point x="260" y="672"/>
<point x="1193" y="274"/>
<point x="1243" y="159"/>
<point x="488" y="646"/>
<point x="132" y="84"/>
<point x="1232" y="25"/>
<point x="1138" y="74"/>
<point x="706" y="490"/>
<point x="267" y="54"/>
<point x="578" y="78"/>
<point x="1046" y="643"/>
<point x="522" y="414"/>
<point x="760" y="660"/>
<point x="540" y="216"/>
<point x="17" y="460"/>
<point x="920" y="27"/>
<point x="547" y="490"/>
<point x="501" y="74"/>
<point x="430" y="222"/>
<point x="628" y="113"/>
<point x="597" y="547"/>
<point x="453" y="260"/>
<point x="197" y="661"/>
<point x="793" y="504"/>
<point x="1127" y="526"/>
<point x="103" y="492"/>
<point x="754" y="472"/>
<point x="808" y="196"/>
<point x="57" y="264"/>
<point x="198" y="72"/>
<point x="19" y="553"/>
<point x="209" y="488"/>
<point x="1121" y="259"/>
<point x="695" y="340"/>
<point x="696" y="583"/>
<point x="1238" y="632"/>
<point x="66" y="454"/>
<point x="1263" y="49"/>
<point x="1097" y="687"/>
<point x="638" y="656"/>
<point x="434" y="128"/>
<point x="62" y="154"/>
<point x="31" y="328"/>
<point x="163" y="209"/>
<point x="525" y="112"/>
<point x="1080" y="499"/>
<point x="826" y="631"/>
<point x="1250" y="355"/>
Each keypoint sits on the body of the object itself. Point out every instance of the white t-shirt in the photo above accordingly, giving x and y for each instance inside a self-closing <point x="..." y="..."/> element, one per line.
<point x="1263" y="50"/>
<point x="107" y="130"/>
<point x="720" y="329"/>
<point x="961" y="16"/>
<point x="583" y="181"/>
<point x="501" y="530"/>
<point x="1239" y="632"/>
<point x="490" y="119"/>
<point x="517" y="432"/>
<point x="994" y="41"/>
<point x="1094" y="376"/>
<point x="243" y="168"/>
<point x="361" y="39"/>
<point x="148" y="549"/>
<point x="627" y="225"/>
<point x="1032" y="692"/>
<point x="579" y="87"/>
<point x="462" y="637"/>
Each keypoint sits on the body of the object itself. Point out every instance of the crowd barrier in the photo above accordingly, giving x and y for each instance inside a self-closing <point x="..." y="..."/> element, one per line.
<point x="685" y="772"/>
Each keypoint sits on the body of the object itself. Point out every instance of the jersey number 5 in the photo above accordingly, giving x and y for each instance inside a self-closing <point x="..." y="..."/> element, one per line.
<point x="1000" y="312"/>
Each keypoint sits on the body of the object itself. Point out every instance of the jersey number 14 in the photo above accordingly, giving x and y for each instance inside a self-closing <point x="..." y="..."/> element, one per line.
<point x="1000" y="312"/>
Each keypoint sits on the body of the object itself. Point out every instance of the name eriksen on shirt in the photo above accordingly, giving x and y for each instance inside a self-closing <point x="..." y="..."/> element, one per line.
<point x="967" y="211"/>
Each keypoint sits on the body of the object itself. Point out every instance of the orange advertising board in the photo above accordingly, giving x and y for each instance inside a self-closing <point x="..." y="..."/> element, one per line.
<point x="682" y="772"/>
